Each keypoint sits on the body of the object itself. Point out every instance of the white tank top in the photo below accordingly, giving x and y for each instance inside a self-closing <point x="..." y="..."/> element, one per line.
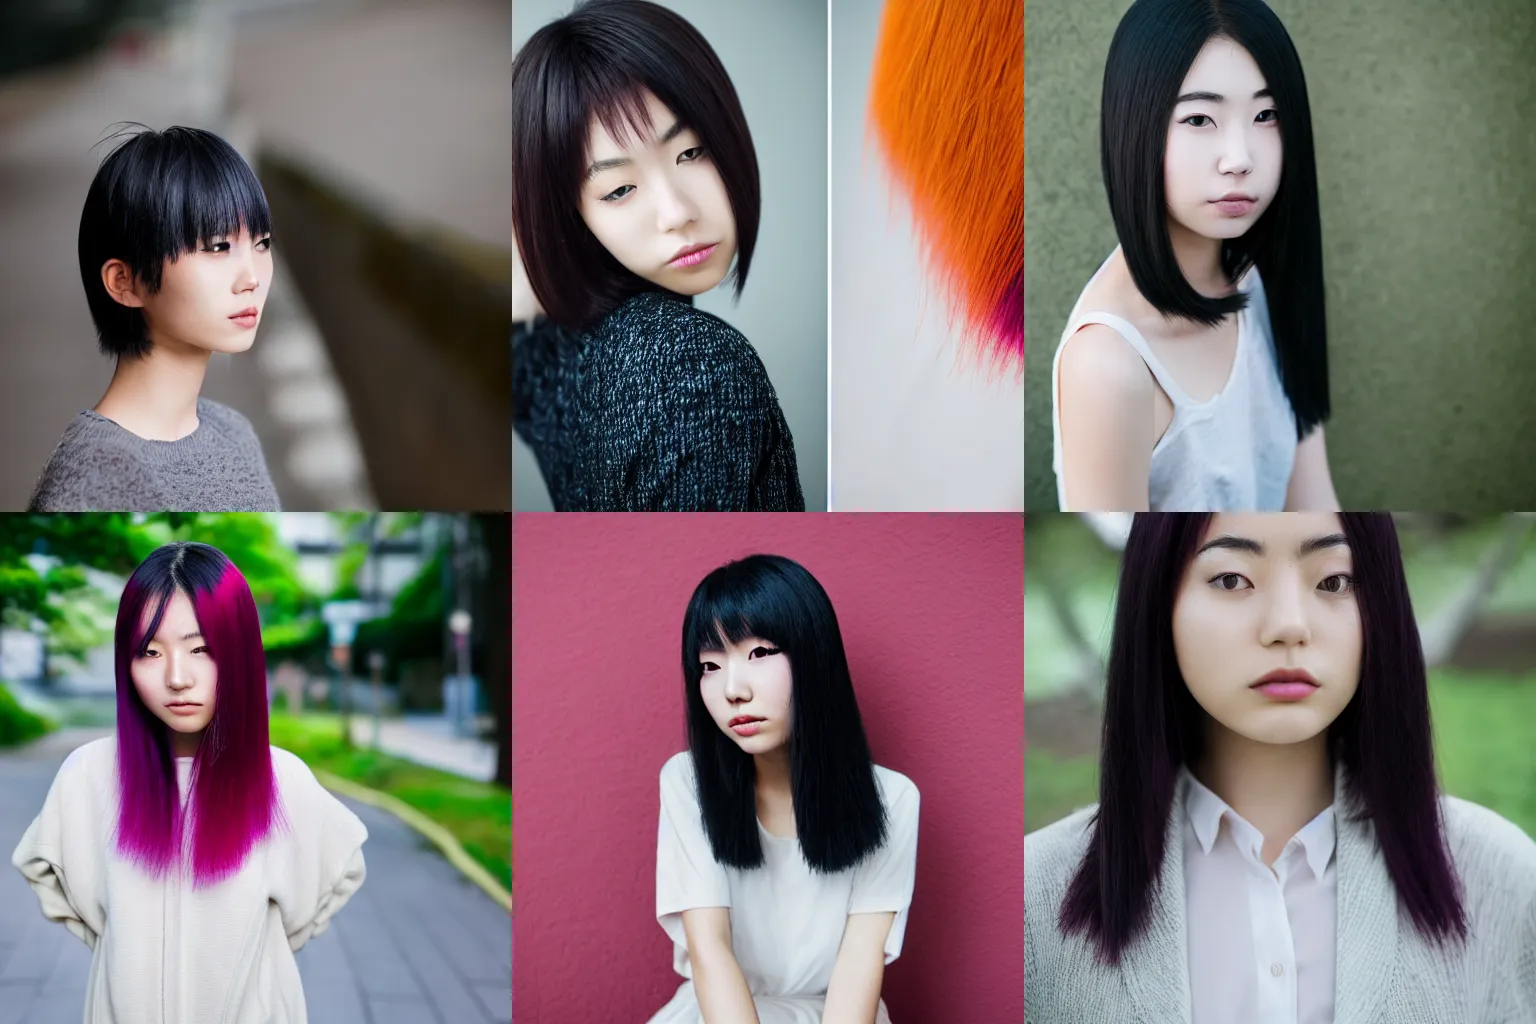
<point x="1232" y="452"/>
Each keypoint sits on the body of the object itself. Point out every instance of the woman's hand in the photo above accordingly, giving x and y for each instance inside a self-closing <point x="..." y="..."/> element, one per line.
<point x="853" y="994"/>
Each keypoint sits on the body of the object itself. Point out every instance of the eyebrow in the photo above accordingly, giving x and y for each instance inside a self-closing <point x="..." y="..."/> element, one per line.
<point x="193" y="636"/>
<point x="598" y="166"/>
<point x="1310" y="546"/>
<point x="1216" y="97"/>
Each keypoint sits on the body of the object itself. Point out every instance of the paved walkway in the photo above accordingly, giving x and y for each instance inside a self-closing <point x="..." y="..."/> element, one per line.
<point x="429" y="740"/>
<point x="418" y="944"/>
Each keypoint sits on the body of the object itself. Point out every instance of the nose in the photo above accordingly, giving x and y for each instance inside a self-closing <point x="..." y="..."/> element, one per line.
<point x="247" y="279"/>
<point x="736" y="688"/>
<point x="1285" y="615"/>
<point x="1236" y="157"/>
<point x="178" y="675"/>
<point x="675" y="209"/>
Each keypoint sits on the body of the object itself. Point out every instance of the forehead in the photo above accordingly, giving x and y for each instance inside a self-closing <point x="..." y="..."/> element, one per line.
<point x="1281" y="534"/>
<point x="1223" y="66"/>
<point x="179" y="619"/>
<point x="630" y="127"/>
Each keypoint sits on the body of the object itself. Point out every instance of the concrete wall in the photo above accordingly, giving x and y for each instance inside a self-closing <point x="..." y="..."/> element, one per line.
<point x="1426" y="163"/>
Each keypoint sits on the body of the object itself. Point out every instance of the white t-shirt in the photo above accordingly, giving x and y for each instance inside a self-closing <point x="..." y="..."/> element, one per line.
<point x="1261" y="942"/>
<point x="786" y="921"/>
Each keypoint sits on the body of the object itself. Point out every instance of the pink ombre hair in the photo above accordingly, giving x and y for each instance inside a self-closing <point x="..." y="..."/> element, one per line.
<point x="234" y="801"/>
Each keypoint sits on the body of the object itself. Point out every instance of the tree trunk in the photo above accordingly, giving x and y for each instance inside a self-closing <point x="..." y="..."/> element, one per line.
<point x="1443" y="634"/>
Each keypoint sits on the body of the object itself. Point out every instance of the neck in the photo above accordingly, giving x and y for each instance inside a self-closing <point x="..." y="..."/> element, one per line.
<point x="155" y="395"/>
<point x="185" y="744"/>
<point x="1276" y="787"/>
<point x="1199" y="260"/>
<point x="773" y="778"/>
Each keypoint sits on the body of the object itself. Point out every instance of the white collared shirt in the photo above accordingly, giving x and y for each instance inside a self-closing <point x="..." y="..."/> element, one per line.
<point x="1261" y="942"/>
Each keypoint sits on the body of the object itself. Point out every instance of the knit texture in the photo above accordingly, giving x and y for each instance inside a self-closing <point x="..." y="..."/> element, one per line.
<point x="164" y="952"/>
<point x="659" y="407"/>
<point x="1386" y="973"/>
<point x="100" y="466"/>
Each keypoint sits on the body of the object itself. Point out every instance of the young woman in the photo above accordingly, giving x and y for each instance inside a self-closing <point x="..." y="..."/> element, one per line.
<point x="176" y="258"/>
<point x="193" y="858"/>
<point x="635" y="188"/>
<point x="1192" y="374"/>
<point x="785" y="858"/>
<point x="1270" y="843"/>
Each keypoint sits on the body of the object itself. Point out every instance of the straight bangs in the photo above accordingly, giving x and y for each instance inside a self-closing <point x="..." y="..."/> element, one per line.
<point x="155" y="197"/>
<point x="1153" y="48"/>
<point x="1153" y="726"/>
<point x="234" y="800"/>
<point x="839" y="816"/>
<point x="595" y="66"/>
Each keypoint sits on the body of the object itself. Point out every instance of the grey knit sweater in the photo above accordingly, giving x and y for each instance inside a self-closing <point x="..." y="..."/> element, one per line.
<point x="100" y="466"/>
<point x="1385" y="973"/>
<point x="658" y="407"/>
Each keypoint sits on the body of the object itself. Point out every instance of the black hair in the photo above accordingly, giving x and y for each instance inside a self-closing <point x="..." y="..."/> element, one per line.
<point x="155" y="197"/>
<point x="597" y="62"/>
<point x="1153" y="49"/>
<point x="839" y="815"/>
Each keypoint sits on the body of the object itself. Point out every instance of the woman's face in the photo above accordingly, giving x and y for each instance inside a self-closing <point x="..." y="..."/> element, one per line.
<point x="746" y="688"/>
<point x="1270" y="597"/>
<point x="1222" y="165"/>
<point x="210" y="298"/>
<point x="658" y="204"/>
<point x="176" y="677"/>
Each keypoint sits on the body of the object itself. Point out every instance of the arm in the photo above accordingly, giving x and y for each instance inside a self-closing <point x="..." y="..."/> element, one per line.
<point x="1105" y="402"/>
<point x="1311" y="486"/>
<point x="718" y="983"/>
<point x="853" y="995"/>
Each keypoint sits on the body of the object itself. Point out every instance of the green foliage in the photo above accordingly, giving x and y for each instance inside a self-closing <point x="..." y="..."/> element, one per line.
<point x="477" y="814"/>
<point x="301" y="640"/>
<point x="414" y="627"/>
<point x="17" y="724"/>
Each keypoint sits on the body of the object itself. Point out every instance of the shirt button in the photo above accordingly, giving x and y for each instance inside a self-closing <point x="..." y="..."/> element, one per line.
<point x="1276" y="969"/>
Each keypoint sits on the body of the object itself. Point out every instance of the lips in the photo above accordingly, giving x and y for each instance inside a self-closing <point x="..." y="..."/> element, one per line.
<point x="184" y="704"/>
<point x="1236" y="197"/>
<point x="1285" y="675"/>
<point x="745" y="720"/>
<point x="690" y="255"/>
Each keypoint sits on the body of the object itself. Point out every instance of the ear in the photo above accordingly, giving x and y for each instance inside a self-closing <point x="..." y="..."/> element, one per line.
<point x="118" y="280"/>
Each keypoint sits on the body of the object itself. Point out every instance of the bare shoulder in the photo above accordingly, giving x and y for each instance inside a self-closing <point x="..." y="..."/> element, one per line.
<point x="1096" y="360"/>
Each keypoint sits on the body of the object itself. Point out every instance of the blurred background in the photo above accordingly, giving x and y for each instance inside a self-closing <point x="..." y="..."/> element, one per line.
<point x="388" y="659"/>
<point x="776" y="55"/>
<point x="1472" y="580"/>
<point x="1428" y="264"/>
<point x="380" y="130"/>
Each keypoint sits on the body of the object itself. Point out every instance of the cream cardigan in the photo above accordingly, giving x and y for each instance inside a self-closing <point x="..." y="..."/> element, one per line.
<point x="165" y="953"/>
<point x="1386" y="973"/>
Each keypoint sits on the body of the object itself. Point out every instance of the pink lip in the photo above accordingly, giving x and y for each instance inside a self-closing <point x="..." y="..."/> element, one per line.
<point x="692" y="255"/>
<point x="747" y="725"/>
<point x="1235" y="204"/>
<point x="1286" y="684"/>
<point x="183" y="709"/>
<point x="246" y="317"/>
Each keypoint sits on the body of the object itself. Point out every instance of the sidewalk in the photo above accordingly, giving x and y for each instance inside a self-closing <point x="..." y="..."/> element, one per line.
<point x="429" y="740"/>
<point x="418" y="944"/>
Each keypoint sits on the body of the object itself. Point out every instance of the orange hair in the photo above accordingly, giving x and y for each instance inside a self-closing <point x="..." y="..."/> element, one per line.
<point x="947" y="106"/>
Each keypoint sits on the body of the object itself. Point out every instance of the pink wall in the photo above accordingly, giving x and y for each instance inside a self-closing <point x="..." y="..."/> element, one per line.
<point x="931" y="610"/>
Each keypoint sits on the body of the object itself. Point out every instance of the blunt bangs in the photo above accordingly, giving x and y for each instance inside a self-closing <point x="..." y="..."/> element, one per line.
<point x="1153" y="726"/>
<point x="839" y="817"/>
<point x="1153" y="48"/>
<point x="596" y="64"/>
<point x="156" y="196"/>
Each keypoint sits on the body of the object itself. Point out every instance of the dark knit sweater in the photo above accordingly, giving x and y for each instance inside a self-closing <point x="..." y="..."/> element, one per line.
<point x="657" y="407"/>
<point x="100" y="466"/>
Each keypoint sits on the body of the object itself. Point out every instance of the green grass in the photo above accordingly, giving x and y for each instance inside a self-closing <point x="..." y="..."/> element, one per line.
<point x="17" y="724"/>
<point x="1483" y="749"/>
<point x="477" y="814"/>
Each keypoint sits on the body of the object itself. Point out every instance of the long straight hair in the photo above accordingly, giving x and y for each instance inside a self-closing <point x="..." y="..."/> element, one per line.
<point x="839" y="815"/>
<point x="1152" y="51"/>
<point x="1153" y="725"/>
<point x="597" y="62"/>
<point x="234" y="799"/>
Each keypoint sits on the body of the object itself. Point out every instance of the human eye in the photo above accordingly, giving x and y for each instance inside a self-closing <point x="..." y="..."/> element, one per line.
<point x="265" y="244"/>
<point x="709" y="666"/>
<point x="1339" y="583"/>
<point x="200" y="649"/>
<point x="1273" y="115"/>
<point x="1229" y="581"/>
<point x="1191" y="120"/>
<point x="762" y="652"/>
<point x="149" y="652"/>
<point x="618" y="193"/>
<point x="216" y="246"/>
<point x="691" y="154"/>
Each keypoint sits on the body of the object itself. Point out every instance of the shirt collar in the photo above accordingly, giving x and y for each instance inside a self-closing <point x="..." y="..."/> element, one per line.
<point x="1205" y="809"/>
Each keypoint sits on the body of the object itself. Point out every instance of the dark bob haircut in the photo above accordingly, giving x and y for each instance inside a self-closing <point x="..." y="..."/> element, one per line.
<point x="838" y="812"/>
<point x="1152" y="51"/>
<point x="598" y="62"/>
<point x="155" y="197"/>
<point x="1152" y="726"/>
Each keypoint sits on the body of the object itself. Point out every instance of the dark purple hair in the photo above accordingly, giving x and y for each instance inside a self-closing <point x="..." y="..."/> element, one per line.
<point x="1152" y="726"/>
<point x="234" y="802"/>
